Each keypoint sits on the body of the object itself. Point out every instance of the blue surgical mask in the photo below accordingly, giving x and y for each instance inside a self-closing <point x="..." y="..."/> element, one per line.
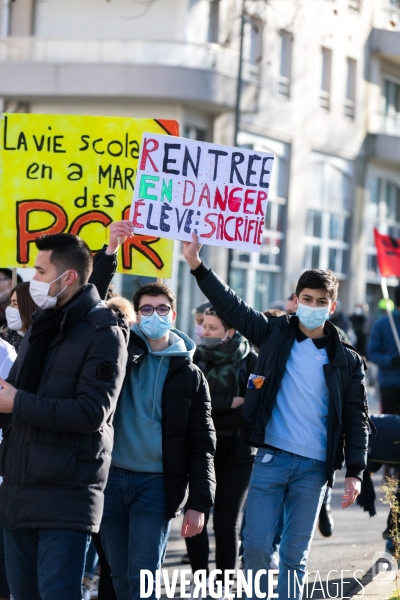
<point x="154" y="327"/>
<point x="312" y="317"/>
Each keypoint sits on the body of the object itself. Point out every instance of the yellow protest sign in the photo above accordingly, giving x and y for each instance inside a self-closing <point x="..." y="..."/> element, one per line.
<point x="76" y="174"/>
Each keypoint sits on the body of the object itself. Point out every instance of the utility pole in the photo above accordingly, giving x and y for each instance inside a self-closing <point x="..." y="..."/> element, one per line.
<point x="237" y="110"/>
<point x="239" y="76"/>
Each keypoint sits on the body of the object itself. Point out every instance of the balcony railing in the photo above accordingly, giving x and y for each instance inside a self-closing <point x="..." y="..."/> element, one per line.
<point x="390" y="124"/>
<point x="207" y="57"/>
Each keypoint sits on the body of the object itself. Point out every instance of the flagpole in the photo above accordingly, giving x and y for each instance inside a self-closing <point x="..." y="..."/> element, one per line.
<point x="389" y="313"/>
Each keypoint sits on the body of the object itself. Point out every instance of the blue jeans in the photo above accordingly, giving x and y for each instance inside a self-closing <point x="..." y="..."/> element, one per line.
<point x="44" y="564"/>
<point x="296" y="485"/>
<point x="134" y="529"/>
<point x="91" y="561"/>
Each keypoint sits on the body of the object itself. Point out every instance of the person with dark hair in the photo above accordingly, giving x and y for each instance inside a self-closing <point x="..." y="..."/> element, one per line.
<point x="56" y="411"/>
<point x="360" y="323"/>
<point x="226" y="359"/>
<point x="164" y="441"/>
<point x="19" y="314"/>
<point x="305" y="409"/>
<point x="290" y="307"/>
<point x="198" y="314"/>
<point x="5" y="292"/>
<point x="382" y="350"/>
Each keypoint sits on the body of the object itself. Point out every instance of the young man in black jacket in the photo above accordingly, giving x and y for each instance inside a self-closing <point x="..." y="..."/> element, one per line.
<point x="57" y="408"/>
<point x="305" y="410"/>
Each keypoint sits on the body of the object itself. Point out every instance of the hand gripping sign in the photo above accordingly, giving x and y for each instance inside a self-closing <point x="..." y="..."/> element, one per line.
<point x="67" y="173"/>
<point x="185" y="186"/>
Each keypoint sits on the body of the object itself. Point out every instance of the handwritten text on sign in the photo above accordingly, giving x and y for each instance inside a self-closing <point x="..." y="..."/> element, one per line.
<point x="219" y="192"/>
<point x="74" y="174"/>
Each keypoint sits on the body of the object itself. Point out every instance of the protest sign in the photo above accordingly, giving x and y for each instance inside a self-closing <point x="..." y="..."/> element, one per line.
<point x="67" y="173"/>
<point x="185" y="186"/>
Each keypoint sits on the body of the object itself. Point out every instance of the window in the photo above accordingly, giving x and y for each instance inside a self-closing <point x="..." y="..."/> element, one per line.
<point x="384" y="214"/>
<point x="325" y="86"/>
<point x="350" y="100"/>
<point x="195" y="133"/>
<point x="391" y="106"/>
<point x="252" y="42"/>
<point x="328" y="214"/>
<point x="285" y="66"/>
<point x="392" y="97"/>
<point x="213" y="22"/>
<point x="355" y="4"/>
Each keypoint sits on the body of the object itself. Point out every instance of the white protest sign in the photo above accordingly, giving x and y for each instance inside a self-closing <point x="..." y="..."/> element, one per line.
<point x="219" y="192"/>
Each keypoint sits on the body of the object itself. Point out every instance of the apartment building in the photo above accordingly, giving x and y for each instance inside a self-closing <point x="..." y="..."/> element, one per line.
<point x="320" y="89"/>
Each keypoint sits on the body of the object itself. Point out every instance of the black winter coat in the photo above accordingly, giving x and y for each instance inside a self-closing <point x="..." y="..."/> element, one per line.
<point x="348" y="426"/>
<point x="188" y="435"/>
<point x="56" y="452"/>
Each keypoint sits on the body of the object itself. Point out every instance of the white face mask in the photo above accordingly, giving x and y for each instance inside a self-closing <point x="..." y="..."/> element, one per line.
<point x="13" y="318"/>
<point x="39" y="291"/>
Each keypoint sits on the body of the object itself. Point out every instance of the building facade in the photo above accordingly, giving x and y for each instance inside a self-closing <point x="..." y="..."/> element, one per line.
<point x="320" y="89"/>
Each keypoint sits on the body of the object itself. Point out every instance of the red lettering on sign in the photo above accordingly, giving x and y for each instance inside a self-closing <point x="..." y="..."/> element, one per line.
<point x="25" y="235"/>
<point x="146" y="154"/>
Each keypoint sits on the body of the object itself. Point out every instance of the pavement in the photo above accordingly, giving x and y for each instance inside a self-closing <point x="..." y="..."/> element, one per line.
<point x="337" y="564"/>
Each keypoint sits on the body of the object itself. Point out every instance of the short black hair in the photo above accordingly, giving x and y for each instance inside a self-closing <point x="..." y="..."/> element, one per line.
<point x="397" y="295"/>
<point x="317" y="279"/>
<point x="68" y="252"/>
<point x="153" y="289"/>
<point x="8" y="274"/>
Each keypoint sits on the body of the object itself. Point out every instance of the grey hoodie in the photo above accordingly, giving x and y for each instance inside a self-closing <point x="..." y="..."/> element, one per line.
<point x="137" y="421"/>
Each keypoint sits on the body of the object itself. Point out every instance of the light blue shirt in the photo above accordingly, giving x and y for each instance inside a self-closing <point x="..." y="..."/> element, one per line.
<point x="298" y="423"/>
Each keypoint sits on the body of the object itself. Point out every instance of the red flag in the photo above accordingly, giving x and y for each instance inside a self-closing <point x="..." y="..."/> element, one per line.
<point x="388" y="249"/>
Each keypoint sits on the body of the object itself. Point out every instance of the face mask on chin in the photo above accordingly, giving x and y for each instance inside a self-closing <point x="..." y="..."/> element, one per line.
<point x="13" y="318"/>
<point x="213" y="342"/>
<point x="311" y="317"/>
<point x="210" y="342"/>
<point x="155" y="327"/>
<point x="39" y="291"/>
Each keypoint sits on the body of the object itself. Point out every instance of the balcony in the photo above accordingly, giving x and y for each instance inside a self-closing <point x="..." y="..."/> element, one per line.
<point x="386" y="44"/>
<point x="384" y="148"/>
<point x="166" y="70"/>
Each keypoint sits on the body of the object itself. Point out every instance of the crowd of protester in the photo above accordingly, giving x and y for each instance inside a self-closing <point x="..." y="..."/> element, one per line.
<point x="114" y="422"/>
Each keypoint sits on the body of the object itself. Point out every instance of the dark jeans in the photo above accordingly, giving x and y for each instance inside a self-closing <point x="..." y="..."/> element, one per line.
<point x="134" y="529"/>
<point x="232" y="483"/>
<point x="390" y="401"/>
<point x="44" y="564"/>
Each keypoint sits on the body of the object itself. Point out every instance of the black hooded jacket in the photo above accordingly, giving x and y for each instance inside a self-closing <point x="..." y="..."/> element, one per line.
<point x="348" y="425"/>
<point x="188" y="435"/>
